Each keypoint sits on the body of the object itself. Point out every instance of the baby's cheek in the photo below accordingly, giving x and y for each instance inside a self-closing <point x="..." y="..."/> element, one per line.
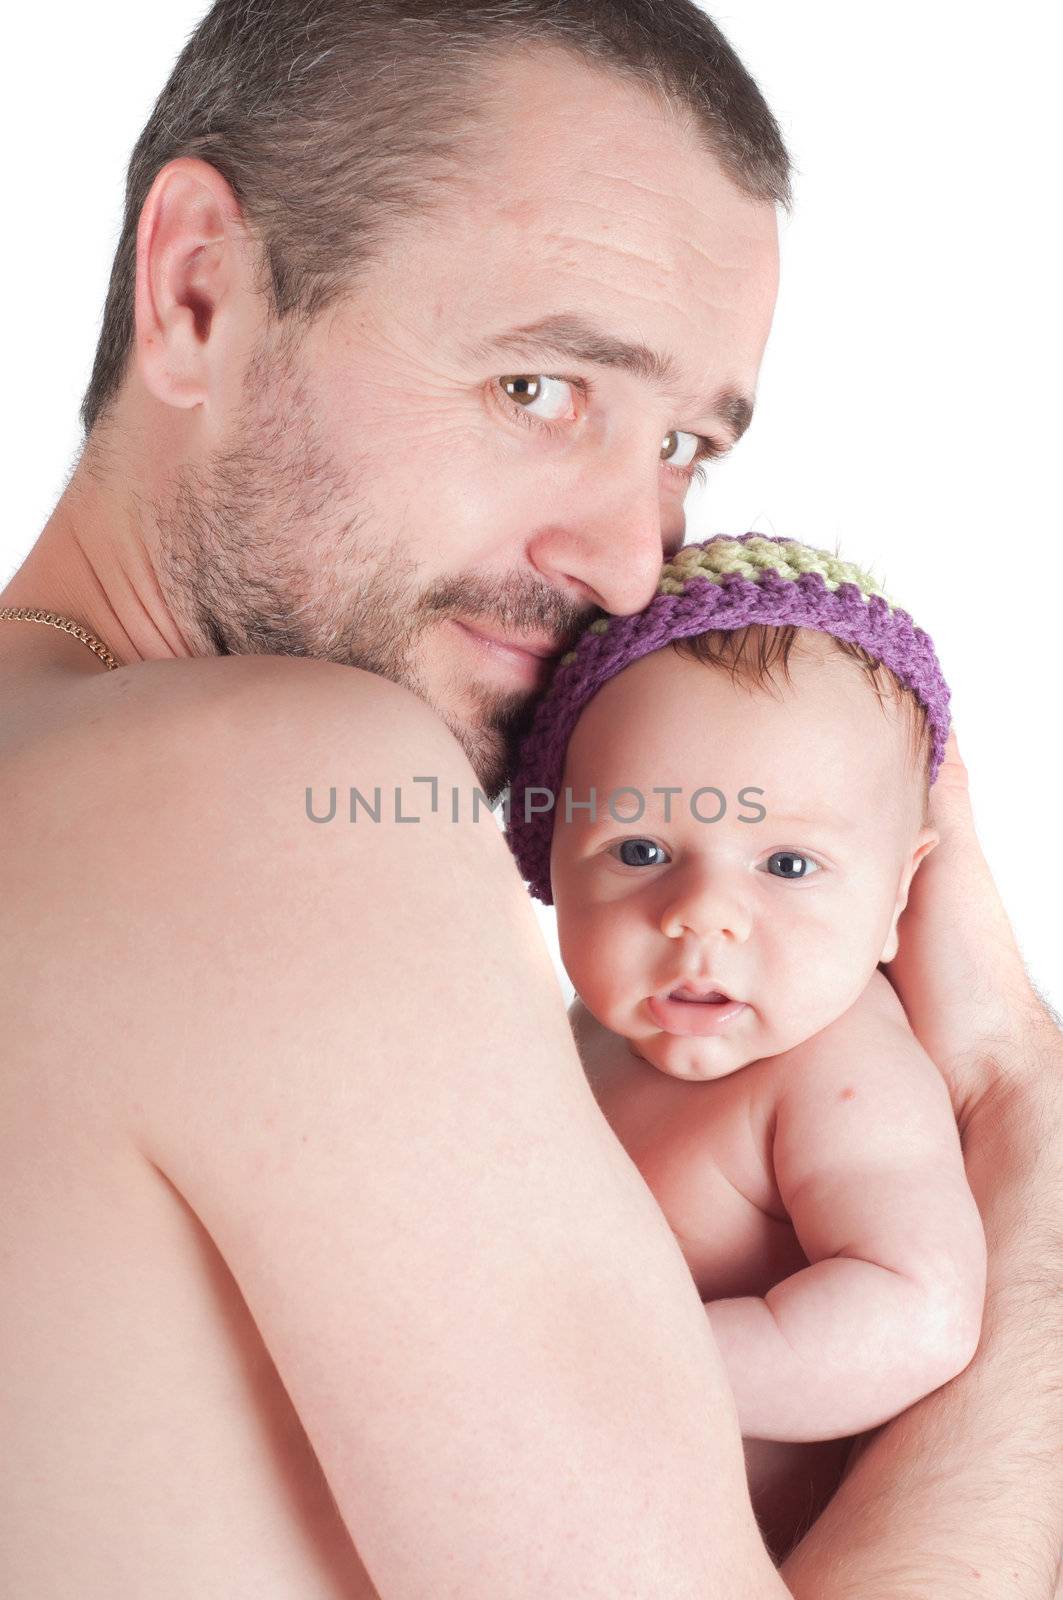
<point x="593" y="958"/>
<point x="819" y="985"/>
<point x="782" y="1029"/>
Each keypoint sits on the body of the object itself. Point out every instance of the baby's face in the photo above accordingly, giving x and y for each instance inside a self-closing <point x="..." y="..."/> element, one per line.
<point x="786" y="915"/>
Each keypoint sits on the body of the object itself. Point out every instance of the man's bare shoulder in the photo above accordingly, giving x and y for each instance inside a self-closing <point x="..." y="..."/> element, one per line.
<point x="248" y="703"/>
<point x="167" y="738"/>
<point x="157" y="847"/>
<point x="231" y="707"/>
<point x="292" y="723"/>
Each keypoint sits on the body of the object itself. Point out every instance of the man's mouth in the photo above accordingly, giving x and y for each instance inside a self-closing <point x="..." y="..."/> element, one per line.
<point x="544" y="646"/>
<point x="527" y="664"/>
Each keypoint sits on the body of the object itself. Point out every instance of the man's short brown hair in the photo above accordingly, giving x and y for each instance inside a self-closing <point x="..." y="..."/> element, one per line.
<point x="335" y="120"/>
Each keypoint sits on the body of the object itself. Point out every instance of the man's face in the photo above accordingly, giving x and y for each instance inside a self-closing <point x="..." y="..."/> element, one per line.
<point x="392" y="485"/>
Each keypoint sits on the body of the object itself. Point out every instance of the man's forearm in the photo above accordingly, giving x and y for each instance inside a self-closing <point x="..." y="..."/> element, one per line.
<point x="963" y="1494"/>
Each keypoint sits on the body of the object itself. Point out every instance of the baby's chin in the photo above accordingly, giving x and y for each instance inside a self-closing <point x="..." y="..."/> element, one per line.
<point x="697" y="1060"/>
<point x="692" y="1040"/>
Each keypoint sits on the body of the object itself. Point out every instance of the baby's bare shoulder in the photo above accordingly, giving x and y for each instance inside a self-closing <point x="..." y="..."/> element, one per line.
<point x="864" y="1083"/>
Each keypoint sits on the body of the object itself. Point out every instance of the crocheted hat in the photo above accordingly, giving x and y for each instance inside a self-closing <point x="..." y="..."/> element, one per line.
<point x="722" y="583"/>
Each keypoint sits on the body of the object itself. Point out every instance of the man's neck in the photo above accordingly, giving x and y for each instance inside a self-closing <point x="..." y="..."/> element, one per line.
<point x="93" y="564"/>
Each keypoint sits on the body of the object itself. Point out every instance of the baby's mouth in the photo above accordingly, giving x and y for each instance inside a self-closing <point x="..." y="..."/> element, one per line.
<point x="696" y="1009"/>
<point x="709" y="997"/>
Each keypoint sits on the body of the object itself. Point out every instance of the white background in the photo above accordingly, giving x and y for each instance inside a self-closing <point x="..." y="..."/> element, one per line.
<point x="908" y="408"/>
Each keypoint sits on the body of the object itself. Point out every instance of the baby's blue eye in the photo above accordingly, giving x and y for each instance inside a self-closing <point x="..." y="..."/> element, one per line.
<point x="788" y="864"/>
<point x="637" y="852"/>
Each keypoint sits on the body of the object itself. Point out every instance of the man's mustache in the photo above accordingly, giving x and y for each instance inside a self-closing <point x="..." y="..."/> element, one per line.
<point x="520" y="604"/>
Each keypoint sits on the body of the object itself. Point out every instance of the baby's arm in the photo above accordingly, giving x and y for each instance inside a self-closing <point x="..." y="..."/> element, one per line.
<point x="868" y="1163"/>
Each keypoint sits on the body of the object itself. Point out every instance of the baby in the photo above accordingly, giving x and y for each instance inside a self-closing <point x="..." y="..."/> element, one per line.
<point x="726" y="798"/>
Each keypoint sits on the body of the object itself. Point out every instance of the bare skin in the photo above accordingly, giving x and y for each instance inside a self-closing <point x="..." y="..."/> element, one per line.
<point x="278" y="1330"/>
<point x="439" y="1363"/>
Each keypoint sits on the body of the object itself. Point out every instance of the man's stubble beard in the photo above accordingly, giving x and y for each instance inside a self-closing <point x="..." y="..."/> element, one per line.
<point x="268" y="549"/>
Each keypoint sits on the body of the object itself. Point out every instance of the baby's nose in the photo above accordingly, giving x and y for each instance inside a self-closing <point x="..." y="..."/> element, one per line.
<point x="707" y="904"/>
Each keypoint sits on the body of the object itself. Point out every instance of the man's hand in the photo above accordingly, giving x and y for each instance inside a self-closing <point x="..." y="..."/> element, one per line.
<point x="958" y="971"/>
<point x="962" y="1495"/>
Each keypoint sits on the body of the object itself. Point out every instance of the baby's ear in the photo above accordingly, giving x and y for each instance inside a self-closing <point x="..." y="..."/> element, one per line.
<point x="925" y="841"/>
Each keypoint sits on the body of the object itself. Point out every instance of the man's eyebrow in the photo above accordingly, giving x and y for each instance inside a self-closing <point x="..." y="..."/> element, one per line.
<point x="572" y="334"/>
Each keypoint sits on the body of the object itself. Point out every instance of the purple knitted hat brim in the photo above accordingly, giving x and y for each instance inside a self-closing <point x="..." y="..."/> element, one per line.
<point x="734" y="601"/>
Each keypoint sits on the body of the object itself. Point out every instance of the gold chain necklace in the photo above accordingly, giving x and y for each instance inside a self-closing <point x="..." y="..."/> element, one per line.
<point x="65" y="625"/>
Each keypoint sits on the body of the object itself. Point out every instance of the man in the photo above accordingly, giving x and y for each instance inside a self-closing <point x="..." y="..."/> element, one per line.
<point x="325" y="1276"/>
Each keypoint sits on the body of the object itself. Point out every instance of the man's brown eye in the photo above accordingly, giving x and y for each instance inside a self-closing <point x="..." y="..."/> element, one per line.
<point x="521" y="388"/>
<point x="671" y="441"/>
<point x="526" y="389"/>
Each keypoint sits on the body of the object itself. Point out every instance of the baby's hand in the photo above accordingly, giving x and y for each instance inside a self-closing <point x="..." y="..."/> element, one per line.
<point x="868" y="1163"/>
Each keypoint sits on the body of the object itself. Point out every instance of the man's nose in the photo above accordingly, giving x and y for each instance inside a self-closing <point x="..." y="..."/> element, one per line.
<point x="611" y="545"/>
<point x="706" y="901"/>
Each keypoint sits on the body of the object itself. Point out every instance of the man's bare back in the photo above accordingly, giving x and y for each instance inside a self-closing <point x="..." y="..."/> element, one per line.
<point x="150" y="1447"/>
<point x="202" y="985"/>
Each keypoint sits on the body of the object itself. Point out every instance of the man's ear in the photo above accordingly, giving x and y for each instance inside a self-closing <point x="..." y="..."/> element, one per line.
<point x="925" y="841"/>
<point x="192" y="258"/>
